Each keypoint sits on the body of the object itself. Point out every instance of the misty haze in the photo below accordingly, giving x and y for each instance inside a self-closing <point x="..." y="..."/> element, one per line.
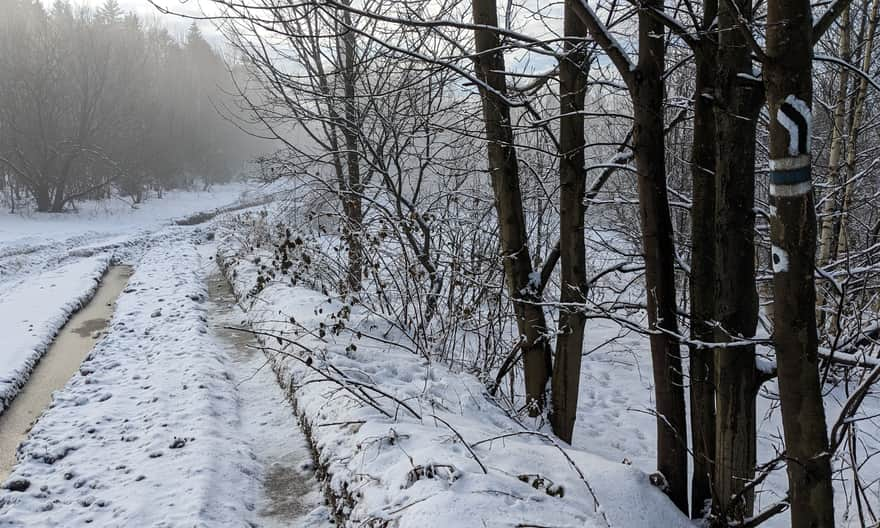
<point x="439" y="263"/>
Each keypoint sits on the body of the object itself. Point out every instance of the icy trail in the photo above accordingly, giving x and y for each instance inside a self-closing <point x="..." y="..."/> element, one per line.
<point x="50" y="264"/>
<point x="61" y="361"/>
<point x="32" y="314"/>
<point x="147" y="433"/>
<point x="287" y="493"/>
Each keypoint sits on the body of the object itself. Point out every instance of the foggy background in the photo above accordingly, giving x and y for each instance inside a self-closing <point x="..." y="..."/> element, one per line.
<point x="112" y="99"/>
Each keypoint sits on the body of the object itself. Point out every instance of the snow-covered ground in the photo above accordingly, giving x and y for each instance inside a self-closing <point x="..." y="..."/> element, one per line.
<point x="31" y="315"/>
<point x="139" y="437"/>
<point x="405" y="441"/>
<point x="615" y="428"/>
<point x="286" y="490"/>
<point x="175" y="419"/>
<point x="35" y="242"/>
<point x="115" y="216"/>
<point x="615" y="420"/>
<point x="615" y="415"/>
<point x="167" y="423"/>
<point x="50" y="263"/>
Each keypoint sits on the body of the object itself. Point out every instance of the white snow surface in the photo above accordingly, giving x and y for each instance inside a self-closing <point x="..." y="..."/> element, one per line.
<point x="35" y="242"/>
<point x="50" y="264"/>
<point x="146" y="434"/>
<point x="114" y="216"/>
<point x="31" y="314"/>
<point x="615" y="414"/>
<point x="421" y="471"/>
<point x="160" y="378"/>
<point x="286" y="492"/>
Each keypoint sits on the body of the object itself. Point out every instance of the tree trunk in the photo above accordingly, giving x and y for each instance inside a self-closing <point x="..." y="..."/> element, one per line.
<point x="43" y="197"/>
<point x="857" y="111"/>
<point x="833" y="203"/>
<point x="834" y="156"/>
<point x="658" y="249"/>
<point x="504" y="173"/>
<point x="738" y="102"/>
<point x="702" y="283"/>
<point x="352" y="197"/>
<point x="59" y="197"/>
<point x="572" y="179"/>
<point x="788" y="77"/>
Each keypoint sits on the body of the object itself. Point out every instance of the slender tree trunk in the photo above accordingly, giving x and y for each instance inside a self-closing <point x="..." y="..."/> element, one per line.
<point x="352" y="197"/>
<point x="738" y="101"/>
<point x="572" y="179"/>
<point x="658" y="249"/>
<point x="788" y="77"/>
<point x="833" y="203"/>
<point x="702" y="283"/>
<point x="13" y="195"/>
<point x="504" y="173"/>
<point x="834" y="157"/>
<point x="857" y="112"/>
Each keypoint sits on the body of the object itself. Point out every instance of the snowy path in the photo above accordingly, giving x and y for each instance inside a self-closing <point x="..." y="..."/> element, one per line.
<point x="37" y="242"/>
<point x="143" y="434"/>
<point x="286" y="490"/>
<point x="50" y="264"/>
<point x="31" y="315"/>
<point x="61" y="361"/>
<point x="170" y="421"/>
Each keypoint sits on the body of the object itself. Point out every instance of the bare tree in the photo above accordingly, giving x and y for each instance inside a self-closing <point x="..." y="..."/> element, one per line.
<point x="644" y="81"/>
<point x="504" y="172"/>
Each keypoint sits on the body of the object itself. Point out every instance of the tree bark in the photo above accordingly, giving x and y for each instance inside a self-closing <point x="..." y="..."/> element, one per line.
<point x="659" y="255"/>
<point x="788" y="78"/>
<point x="738" y="101"/>
<point x="504" y="173"/>
<point x="572" y="179"/>
<point x="702" y="280"/>
<point x="352" y="194"/>
<point x="834" y="157"/>
<point x="43" y="197"/>
<point x="59" y="197"/>
<point x="830" y="221"/>
<point x="645" y="83"/>
<point x="858" y="109"/>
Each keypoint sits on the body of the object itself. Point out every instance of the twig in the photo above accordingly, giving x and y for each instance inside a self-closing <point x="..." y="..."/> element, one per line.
<point x="571" y="462"/>
<point x="444" y="422"/>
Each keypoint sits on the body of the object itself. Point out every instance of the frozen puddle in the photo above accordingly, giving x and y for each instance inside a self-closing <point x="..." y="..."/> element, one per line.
<point x="61" y="361"/>
<point x="287" y="492"/>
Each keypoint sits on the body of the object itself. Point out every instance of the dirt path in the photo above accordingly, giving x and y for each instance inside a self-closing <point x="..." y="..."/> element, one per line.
<point x="287" y="492"/>
<point x="73" y="343"/>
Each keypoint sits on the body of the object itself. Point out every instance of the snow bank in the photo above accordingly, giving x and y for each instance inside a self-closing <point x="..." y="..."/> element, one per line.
<point x="404" y="442"/>
<point x="34" y="312"/>
<point x="144" y="434"/>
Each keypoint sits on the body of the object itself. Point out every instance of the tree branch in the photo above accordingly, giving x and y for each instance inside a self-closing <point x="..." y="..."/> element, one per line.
<point x="828" y="17"/>
<point x="625" y="66"/>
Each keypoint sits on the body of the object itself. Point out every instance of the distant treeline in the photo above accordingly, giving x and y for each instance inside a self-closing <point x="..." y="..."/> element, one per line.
<point x="96" y="102"/>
